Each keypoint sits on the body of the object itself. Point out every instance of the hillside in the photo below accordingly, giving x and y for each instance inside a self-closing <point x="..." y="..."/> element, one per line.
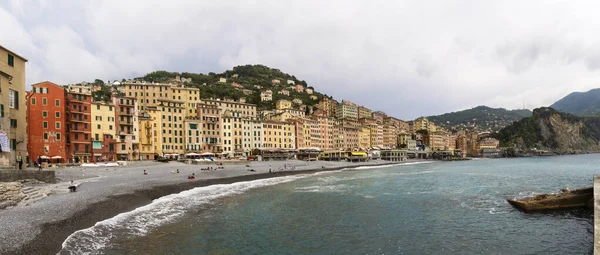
<point x="252" y="78"/>
<point x="480" y="118"/>
<point x="548" y="129"/>
<point x="580" y="103"/>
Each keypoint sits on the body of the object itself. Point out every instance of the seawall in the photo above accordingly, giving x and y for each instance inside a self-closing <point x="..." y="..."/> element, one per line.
<point x="597" y="215"/>
<point x="15" y="175"/>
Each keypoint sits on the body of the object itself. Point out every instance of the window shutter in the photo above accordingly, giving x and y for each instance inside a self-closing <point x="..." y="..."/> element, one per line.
<point x="16" y="99"/>
<point x="2" y="110"/>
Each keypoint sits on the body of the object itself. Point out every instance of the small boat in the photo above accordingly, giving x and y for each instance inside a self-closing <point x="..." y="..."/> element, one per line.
<point x="566" y="199"/>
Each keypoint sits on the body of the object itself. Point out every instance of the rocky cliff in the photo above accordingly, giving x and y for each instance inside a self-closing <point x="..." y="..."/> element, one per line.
<point x="548" y="129"/>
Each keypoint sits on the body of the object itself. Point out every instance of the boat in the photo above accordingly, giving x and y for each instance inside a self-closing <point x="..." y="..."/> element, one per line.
<point x="566" y="199"/>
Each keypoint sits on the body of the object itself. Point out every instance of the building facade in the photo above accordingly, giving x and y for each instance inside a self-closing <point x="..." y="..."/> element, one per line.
<point x="13" y="121"/>
<point x="46" y="118"/>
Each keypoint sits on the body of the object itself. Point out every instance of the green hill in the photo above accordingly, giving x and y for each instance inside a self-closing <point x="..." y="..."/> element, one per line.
<point x="248" y="76"/>
<point x="549" y="129"/>
<point x="580" y="103"/>
<point x="480" y="118"/>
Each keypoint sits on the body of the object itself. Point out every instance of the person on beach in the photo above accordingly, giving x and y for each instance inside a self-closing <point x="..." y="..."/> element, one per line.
<point x="177" y="170"/>
<point x="145" y="173"/>
<point x="270" y="171"/>
<point x="72" y="186"/>
<point x="39" y="161"/>
<point x="20" y="161"/>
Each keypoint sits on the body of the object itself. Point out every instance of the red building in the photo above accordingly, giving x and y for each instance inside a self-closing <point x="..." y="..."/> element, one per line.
<point x="79" y="100"/>
<point x="46" y="129"/>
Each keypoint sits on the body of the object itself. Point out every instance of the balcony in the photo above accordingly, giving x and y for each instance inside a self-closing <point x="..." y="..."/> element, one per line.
<point x="79" y="131"/>
<point x="126" y="123"/>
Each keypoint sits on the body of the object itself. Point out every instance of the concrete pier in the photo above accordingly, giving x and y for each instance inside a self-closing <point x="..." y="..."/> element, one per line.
<point x="597" y="215"/>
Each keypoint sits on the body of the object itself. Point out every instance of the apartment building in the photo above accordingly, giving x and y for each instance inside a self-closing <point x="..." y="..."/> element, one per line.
<point x="246" y="110"/>
<point x="13" y="121"/>
<point x="103" y="132"/>
<point x="364" y="112"/>
<point x="210" y="116"/>
<point x="344" y="110"/>
<point x="278" y="134"/>
<point x="232" y="133"/>
<point x="283" y="104"/>
<point x="46" y="118"/>
<point x="193" y="135"/>
<point x="148" y="134"/>
<point x="79" y="100"/>
<point x="127" y="133"/>
<point x="172" y="137"/>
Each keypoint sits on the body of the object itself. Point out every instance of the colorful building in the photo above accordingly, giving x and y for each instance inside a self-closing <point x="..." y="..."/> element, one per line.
<point x="13" y="110"/>
<point x="103" y="132"/>
<point x="126" y="122"/>
<point x="47" y="129"/>
<point x="79" y="100"/>
<point x="210" y="116"/>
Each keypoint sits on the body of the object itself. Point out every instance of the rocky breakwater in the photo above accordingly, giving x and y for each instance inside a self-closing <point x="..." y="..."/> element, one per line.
<point x="11" y="193"/>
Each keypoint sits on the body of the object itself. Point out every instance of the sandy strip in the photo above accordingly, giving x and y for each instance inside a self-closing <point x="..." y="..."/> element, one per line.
<point x="104" y="192"/>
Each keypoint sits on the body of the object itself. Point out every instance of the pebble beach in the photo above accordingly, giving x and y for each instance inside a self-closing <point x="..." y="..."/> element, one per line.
<point x="40" y="227"/>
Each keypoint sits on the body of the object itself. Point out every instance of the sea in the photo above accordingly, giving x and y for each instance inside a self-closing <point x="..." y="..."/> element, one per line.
<point x="413" y="208"/>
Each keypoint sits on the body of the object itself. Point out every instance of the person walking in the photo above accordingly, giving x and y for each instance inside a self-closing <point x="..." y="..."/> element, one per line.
<point x="39" y="161"/>
<point x="20" y="161"/>
<point x="270" y="171"/>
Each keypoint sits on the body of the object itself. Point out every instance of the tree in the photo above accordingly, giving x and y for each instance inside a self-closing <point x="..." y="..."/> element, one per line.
<point x="98" y="82"/>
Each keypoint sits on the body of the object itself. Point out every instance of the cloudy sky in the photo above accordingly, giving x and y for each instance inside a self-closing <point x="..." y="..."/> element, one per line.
<point x="407" y="58"/>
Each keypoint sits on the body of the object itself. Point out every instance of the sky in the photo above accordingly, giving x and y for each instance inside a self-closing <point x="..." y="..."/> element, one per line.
<point x="406" y="58"/>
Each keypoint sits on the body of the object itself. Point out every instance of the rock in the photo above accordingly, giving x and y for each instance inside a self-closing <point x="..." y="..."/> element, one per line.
<point x="10" y="194"/>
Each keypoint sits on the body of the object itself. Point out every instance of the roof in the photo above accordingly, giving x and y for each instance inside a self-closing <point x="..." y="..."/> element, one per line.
<point x="11" y="52"/>
<point x="47" y="83"/>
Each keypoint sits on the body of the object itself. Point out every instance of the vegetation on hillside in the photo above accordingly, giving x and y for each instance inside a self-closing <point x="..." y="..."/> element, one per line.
<point x="580" y="103"/>
<point x="480" y="118"/>
<point x="248" y="76"/>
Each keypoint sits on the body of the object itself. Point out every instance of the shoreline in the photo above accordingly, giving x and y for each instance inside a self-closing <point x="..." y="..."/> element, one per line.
<point x="51" y="234"/>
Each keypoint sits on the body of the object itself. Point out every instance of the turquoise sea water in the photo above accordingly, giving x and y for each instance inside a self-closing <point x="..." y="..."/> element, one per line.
<point x="434" y="208"/>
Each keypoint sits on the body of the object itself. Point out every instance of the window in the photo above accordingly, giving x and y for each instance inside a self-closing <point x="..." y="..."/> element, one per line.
<point x="96" y="136"/>
<point x="45" y="136"/>
<point x="33" y="101"/>
<point x="57" y="114"/>
<point x="44" y="114"/>
<point x="109" y="127"/>
<point x="13" y="123"/>
<point x="2" y="110"/>
<point x="13" y="99"/>
<point x="57" y="125"/>
<point x="122" y="146"/>
<point x="57" y="136"/>
<point x="99" y="126"/>
<point x="57" y="102"/>
<point x="44" y="101"/>
<point x="85" y="137"/>
<point x="11" y="60"/>
<point x="45" y="124"/>
<point x="97" y="107"/>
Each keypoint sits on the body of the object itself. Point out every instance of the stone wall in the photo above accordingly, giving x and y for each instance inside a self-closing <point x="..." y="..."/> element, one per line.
<point x="15" y="175"/>
<point x="10" y="194"/>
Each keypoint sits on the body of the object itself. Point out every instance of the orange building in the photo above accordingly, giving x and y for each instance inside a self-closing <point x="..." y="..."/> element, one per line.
<point x="47" y="130"/>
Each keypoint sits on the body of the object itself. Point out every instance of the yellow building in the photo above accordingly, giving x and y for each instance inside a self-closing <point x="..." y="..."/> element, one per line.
<point x="283" y="104"/>
<point x="423" y="124"/>
<point x="13" y="112"/>
<point x="232" y="133"/>
<point x="246" y="110"/>
<point x="103" y="120"/>
<point x="191" y="96"/>
<point x="344" y="110"/>
<point x="193" y="135"/>
<point x="435" y="141"/>
<point x="364" y="112"/>
<point x="147" y="134"/>
<point x="364" y="137"/>
<point x="278" y="134"/>
<point x="172" y="115"/>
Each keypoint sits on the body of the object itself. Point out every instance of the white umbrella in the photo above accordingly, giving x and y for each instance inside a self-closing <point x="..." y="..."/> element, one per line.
<point x="56" y="157"/>
<point x="192" y="154"/>
<point x="44" y="157"/>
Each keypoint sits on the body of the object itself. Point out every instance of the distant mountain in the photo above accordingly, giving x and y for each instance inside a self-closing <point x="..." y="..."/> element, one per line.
<point x="240" y="79"/>
<point x="580" y="103"/>
<point x="480" y="118"/>
<point x="549" y="129"/>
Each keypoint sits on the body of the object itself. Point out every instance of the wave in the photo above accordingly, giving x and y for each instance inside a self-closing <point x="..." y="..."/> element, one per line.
<point x="161" y="211"/>
<point x="391" y="165"/>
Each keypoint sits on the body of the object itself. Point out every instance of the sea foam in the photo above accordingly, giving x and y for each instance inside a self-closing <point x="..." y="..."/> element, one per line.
<point x="163" y="210"/>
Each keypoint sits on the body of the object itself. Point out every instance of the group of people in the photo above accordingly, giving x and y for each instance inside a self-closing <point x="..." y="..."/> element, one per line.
<point x="19" y="160"/>
<point x="191" y="176"/>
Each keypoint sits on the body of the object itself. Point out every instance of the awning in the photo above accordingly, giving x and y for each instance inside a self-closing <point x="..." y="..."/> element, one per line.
<point x="96" y="154"/>
<point x="207" y="154"/>
<point x="44" y="157"/>
<point x="192" y="154"/>
<point x="56" y="157"/>
<point x="354" y="153"/>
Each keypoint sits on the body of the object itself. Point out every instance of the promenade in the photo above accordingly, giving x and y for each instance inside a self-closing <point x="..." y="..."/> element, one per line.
<point x="41" y="226"/>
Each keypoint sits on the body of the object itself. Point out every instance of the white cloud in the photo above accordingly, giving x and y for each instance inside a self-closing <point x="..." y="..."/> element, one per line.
<point x="409" y="58"/>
